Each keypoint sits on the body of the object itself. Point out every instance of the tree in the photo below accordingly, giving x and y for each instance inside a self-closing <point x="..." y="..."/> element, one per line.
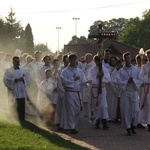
<point x="2" y="34"/>
<point x="43" y="48"/>
<point x="76" y="40"/>
<point x="28" y="40"/>
<point x="13" y="28"/>
<point x="116" y="25"/>
<point x="137" y="31"/>
<point x="130" y="35"/>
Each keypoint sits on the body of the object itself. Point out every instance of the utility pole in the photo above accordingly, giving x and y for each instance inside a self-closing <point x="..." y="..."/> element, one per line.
<point x="58" y="28"/>
<point x="76" y="19"/>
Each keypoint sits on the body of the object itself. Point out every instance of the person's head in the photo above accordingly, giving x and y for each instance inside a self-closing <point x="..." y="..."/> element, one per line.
<point x="48" y="73"/>
<point x="113" y="60"/>
<point x="28" y="59"/>
<point x="148" y="54"/>
<point x="24" y="55"/>
<point x="96" y="59"/>
<point x="88" y="57"/>
<point x="38" y="55"/>
<point x="8" y="57"/>
<point x="82" y="59"/>
<point x="127" y="58"/>
<point x="73" y="60"/>
<point x="138" y="59"/>
<point x="118" y="64"/>
<point x="2" y="55"/>
<point x="16" y="61"/>
<point x="47" y="60"/>
<point x="107" y="54"/>
<point x="56" y="63"/>
<point x="65" y="60"/>
<point x="59" y="57"/>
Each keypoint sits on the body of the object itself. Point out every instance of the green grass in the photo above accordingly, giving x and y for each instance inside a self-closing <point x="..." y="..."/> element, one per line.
<point x="28" y="136"/>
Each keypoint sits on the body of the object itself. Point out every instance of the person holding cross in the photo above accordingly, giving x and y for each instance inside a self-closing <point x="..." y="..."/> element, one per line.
<point x="99" y="102"/>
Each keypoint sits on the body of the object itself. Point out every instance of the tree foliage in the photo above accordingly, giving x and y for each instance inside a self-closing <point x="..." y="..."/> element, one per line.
<point x="13" y="31"/>
<point x="29" y="44"/>
<point x="116" y="25"/>
<point x="76" y="40"/>
<point x="137" y="31"/>
<point x="42" y="47"/>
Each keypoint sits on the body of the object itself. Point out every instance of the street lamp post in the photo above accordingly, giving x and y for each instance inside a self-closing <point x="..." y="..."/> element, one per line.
<point x="58" y="28"/>
<point x="76" y="19"/>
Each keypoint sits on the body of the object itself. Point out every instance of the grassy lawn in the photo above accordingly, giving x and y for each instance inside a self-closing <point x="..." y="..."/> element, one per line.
<point x="30" y="137"/>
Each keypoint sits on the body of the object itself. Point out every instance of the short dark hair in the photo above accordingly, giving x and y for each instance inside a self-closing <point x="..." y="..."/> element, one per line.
<point x="108" y="50"/>
<point x="15" y="57"/>
<point x="96" y="58"/>
<point x="46" y="57"/>
<point x="64" y="57"/>
<point x="72" y="56"/>
<point x="115" y="57"/>
<point x="125" y="54"/>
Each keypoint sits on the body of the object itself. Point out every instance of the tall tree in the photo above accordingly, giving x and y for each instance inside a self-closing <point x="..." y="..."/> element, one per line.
<point x="29" y="44"/>
<point x="14" y="29"/>
<point x="2" y="34"/>
<point x="137" y="31"/>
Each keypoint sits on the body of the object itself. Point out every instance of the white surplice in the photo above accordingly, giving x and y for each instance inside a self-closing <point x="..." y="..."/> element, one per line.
<point x="129" y="100"/>
<point x="86" y="91"/>
<point x="72" y="94"/>
<point x="144" y="115"/>
<point x="16" y="88"/>
<point x="101" y="110"/>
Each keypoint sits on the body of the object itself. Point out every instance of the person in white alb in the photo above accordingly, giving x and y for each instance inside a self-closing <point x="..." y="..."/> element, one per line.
<point x="16" y="80"/>
<point x="99" y="102"/>
<point x="144" y="115"/>
<point x="72" y="79"/>
<point x="129" y="81"/>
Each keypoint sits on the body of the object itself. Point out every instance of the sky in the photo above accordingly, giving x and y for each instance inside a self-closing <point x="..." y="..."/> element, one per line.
<point x="44" y="16"/>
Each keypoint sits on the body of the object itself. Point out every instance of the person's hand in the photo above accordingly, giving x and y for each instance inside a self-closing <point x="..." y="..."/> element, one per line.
<point x="100" y="74"/>
<point x="76" y="78"/>
<point x="16" y="80"/>
<point x="21" y="79"/>
<point x="89" y="81"/>
<point x="130" y="80"/>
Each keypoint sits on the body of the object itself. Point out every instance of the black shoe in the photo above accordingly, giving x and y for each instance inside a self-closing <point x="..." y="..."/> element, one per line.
<point x="133" y="131"/>
<point x="74" y="131"/>
<point x="104" y="122"/>
<point x="97" y="124"/>
<point x="128" y="132"/>
<point x="105" y="127"/>
<point x="148" y="128"/>
<point x="60" y="129"/>
<point x="140" y="126"/>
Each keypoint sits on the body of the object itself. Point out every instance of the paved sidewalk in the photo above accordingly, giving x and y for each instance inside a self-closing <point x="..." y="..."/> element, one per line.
<point x="113" y="139"/>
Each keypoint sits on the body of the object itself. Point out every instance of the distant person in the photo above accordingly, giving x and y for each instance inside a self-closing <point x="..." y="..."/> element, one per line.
<point x="44" y="102"/>
<point x="86" y="90"/>
<point x="16" y="79"/>
<point x="107" y="55"/>
<point x="47" y="66"/>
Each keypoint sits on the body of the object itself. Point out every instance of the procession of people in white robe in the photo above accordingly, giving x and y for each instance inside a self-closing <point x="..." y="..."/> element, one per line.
<point x="73" y="98"/>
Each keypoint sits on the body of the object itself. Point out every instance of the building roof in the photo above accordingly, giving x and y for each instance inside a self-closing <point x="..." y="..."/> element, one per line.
<point x="117" y="48"/>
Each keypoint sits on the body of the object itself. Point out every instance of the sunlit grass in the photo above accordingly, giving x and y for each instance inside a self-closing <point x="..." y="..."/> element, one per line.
<point x="28" y="136"/>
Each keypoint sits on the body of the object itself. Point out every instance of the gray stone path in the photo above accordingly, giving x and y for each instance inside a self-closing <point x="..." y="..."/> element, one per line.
<point x="113" y="139"/>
